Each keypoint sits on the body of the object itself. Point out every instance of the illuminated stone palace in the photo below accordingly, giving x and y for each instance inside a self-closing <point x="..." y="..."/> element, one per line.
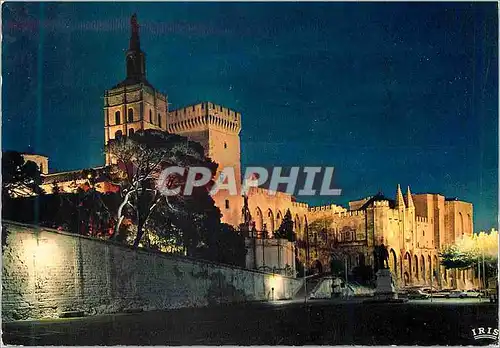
<point x="413" y="227"/>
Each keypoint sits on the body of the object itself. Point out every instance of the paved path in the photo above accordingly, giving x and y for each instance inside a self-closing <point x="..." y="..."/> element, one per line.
<point x="444" y="322"/>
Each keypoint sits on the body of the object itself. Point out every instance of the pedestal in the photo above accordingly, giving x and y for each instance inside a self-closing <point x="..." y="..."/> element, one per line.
<point x="336" y="289"/>
<point x="384" y="288"/>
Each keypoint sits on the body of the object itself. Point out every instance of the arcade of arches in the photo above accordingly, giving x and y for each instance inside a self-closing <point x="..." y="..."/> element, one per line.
<point x="412" y="269"/>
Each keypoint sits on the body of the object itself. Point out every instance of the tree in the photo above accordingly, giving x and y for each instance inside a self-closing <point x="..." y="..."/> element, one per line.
<point x="453" y="257"/>
<point x="94" y="215"/>
<point x="86" y="211"/>
<point x="190" y="222"/>
<point x="285" y="230"/>
<point x="140" y="159"/>
<point x="227" y="246"/>
<point x="470" y="250"/>
<point x="19" y="177"/>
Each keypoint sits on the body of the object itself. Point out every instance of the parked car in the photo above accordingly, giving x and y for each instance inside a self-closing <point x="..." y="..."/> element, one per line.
<point x="417" y="294"/>
<point x="429" y="290"/>
<point x="473" y="293"/>
<point x="442" y="293"/>
<point x="436" y="292"/>
<point x="457" y="294"/>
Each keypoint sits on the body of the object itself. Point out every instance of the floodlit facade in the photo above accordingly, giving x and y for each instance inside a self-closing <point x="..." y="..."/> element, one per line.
<point x="414" y="227"/>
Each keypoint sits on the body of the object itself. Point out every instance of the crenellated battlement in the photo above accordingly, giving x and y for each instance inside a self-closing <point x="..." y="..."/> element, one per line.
<point x="346" y="214"/>
<point x="200" y="116"/>
<point x="264" y="191"/>
<point x="300" y="205"/>
<point x="330" y="207"/>
<point x="381" y="204"/>
<point x="422" y="219"/>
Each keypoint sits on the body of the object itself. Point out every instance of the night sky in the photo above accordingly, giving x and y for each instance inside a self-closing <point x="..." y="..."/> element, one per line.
<point x="386" y="93"/>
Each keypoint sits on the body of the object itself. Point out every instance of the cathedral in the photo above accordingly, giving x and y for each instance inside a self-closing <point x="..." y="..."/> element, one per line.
<point x="414" y="227"/>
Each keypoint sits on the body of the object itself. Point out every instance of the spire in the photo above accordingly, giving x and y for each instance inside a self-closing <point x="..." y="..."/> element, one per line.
<point x="400" y="203"/>
<point x="135" y="43"/>
<point x="135" y="58"/>
<point x="409" y="199"/>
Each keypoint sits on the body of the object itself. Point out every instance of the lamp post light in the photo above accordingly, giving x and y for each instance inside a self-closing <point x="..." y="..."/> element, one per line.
<point x="431" y="276"/>
<point x="484" y="272"/>
<point x="482" y="281"/>
<point x="307" y="246"/>
<point x="346" y="271"/>
<point x="305" y="286"/>
<point x="479" y="278"/>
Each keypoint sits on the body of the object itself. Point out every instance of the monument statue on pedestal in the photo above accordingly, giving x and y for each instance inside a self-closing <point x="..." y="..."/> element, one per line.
<point x="245" y="211"/>
<point x="381" y="257"/>
<point x="384" y="285"/>
<point x="246" y="226"/>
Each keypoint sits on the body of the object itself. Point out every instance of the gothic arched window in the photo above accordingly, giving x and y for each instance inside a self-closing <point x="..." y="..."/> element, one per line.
<point x="130" y="115"/>
<point x="159" y="120"/>
<point x="117" y="117"/>
<point x="150" y="116"/>
<point x="131" y="132"/>
<point x="118" y="134"/>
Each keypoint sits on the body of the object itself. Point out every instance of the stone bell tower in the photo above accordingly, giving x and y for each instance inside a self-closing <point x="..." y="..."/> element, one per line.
<point x="133" y="104"/>
<point x="136" y="59"/>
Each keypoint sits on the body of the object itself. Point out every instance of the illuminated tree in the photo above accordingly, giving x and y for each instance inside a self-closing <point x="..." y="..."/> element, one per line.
<point x="140" y="159"/>
<point x="452" y="256"/>
<point x="470" y="250"/>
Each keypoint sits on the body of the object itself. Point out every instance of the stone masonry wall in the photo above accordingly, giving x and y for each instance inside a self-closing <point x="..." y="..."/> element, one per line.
<point x="46" y="272"/>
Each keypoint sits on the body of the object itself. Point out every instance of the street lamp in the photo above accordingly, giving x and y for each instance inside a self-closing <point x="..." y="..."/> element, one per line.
<point x="307" y="247"/>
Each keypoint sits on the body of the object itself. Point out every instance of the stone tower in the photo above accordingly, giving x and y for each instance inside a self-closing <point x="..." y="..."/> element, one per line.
<point x="410" y="224"/>
<point x="400" y="208"/>
<point x="216" y="128"/>
<point x="134" y="103"/>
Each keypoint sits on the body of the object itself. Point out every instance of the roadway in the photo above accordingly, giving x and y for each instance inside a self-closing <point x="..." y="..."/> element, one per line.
<point x="320" y="322"/>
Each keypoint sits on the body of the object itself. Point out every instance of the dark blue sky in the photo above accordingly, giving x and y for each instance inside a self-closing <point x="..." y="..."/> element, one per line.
<point x="387" y="93"/>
